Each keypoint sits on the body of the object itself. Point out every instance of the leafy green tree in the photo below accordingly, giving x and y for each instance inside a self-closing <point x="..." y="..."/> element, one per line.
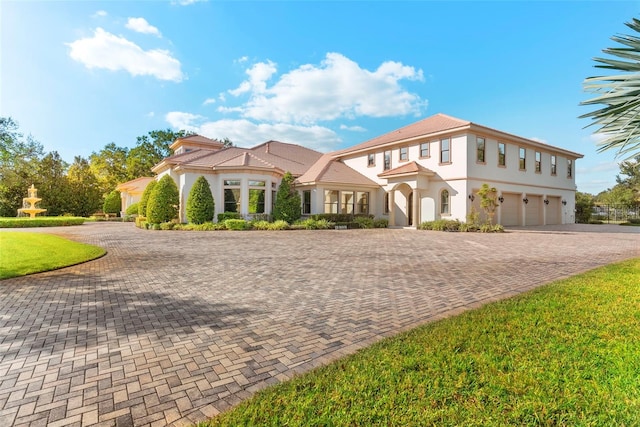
<point x="226" y="143"/>
<point x="630" y="176"/>
<point x="488" y="201"/>
<point x="109" y="166"/>
<point x="112" y="203"/>
<point x="619" y="120"/>
<point x="584" y="207"/>
<point x="19" y="159"/>
<point x="85" y="195"/>
<point x="53" y="185"/>
<point x="200" y="204"/>
<point x="288" y="205"/>
<point x="163" y="201"/>
<point x="618" y="195"/>
<point x="150" y="149"/>
<point x="142" y="207"/>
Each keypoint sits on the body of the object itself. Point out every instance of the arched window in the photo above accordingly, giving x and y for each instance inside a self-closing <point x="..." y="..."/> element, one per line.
<point x="444" y="202"/>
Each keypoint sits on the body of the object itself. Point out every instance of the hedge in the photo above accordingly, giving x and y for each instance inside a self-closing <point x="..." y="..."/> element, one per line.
<point x="45" y="221"/>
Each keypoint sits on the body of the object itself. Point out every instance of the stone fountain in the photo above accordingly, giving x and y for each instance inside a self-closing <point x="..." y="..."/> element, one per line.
<point x="30" y="203"/>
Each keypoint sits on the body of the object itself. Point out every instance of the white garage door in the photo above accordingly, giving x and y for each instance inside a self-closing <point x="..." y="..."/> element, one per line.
<point x="510" y="209"/>
<point x="533" y="210"/>
<point x="553" y="211"/>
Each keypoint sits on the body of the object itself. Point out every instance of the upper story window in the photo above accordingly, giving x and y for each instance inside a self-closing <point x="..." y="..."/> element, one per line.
<point x="424" y="149"/>
<point x="445" y="150"/>
<point x="523" y="158"/>
<point x="480" y="147"/>
<point x="371" y="159"/>
<point x="553" y="164"/>
<point x="404" y="153"/>
<point x="387" y="160"/>
<point x="538" y="161"/>
<point x="569" y="168"/>
<point x="502" y="154"/>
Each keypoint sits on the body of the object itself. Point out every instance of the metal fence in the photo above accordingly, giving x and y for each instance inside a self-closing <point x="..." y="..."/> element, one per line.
<point x="615" y="213"/>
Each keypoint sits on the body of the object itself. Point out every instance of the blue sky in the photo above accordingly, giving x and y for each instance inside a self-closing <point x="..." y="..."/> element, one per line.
<point x="80" y="74"/>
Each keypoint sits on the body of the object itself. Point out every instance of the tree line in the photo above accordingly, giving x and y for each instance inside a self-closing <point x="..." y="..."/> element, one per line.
<point x="78" y="188"/>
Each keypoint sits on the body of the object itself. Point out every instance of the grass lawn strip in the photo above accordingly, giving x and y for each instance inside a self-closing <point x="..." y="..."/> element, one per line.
<point x="27" y="253"/>
<point x="565" y="354"/>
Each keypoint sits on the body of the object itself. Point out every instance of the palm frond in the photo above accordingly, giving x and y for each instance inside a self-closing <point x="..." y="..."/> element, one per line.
<point x="618" y="120"/>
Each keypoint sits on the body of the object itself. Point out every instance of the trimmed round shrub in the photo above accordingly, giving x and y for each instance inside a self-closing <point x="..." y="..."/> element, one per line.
<point x="163" y="201"/>
<point x="112" y="203"/>
<point x="142" y="205"/>
<point x="200" y="204"/>
<point x="132" y="209"/>
<point x="288" y="205"/>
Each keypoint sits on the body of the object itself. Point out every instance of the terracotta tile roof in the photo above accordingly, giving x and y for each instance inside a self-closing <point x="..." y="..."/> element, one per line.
<point x="434" y="124"/>
<point x="407" y="169"/>
<point x="138" y="184"/>
<point x="329" y="170"/>
<point x="245" y="159"/>
<point x="272" y="154"/>
<point x="196" y="141"/>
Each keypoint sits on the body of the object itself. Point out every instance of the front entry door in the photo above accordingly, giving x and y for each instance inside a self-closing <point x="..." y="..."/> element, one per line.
<point x="410" y="208"/>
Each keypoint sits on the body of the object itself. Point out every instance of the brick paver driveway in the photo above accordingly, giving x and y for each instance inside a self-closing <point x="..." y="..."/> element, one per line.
<point x="173" y="327"/>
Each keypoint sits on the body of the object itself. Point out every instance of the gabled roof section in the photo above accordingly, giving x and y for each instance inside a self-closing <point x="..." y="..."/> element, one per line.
<point x="329" y="170"/>
<point x="135" y="185"/>
<point x="195" y="142"/>
<point x="246" y="160"/>
<point x="411" y="168"/>
<point x="275" y="155"/>
<point x="431" y="125"/>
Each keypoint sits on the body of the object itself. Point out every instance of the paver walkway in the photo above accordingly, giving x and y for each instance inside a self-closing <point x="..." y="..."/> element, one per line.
<point x="174" y="327"/>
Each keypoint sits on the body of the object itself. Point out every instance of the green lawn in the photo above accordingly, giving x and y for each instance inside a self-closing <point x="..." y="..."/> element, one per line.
<point x="26" y="253"/>
<point x="565" y="354"/>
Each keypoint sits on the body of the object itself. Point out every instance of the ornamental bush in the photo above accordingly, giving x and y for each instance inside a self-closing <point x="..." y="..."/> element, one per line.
<point x="222" y="217"/>
<point x="112" y="203"/>
<point x="237" y="224"/>
<point x="163" y="201"/>
<point x="142" y="205"/>
<point x="288" y="205"/>
<point x="200" y="204"/>
<point x="132" y="209"/>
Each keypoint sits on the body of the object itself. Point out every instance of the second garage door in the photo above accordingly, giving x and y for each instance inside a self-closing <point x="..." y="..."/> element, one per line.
<point x="533" y="210"/>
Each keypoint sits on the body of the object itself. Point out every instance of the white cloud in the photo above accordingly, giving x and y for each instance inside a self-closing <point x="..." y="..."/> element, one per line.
<point x="600" y="167"/>
<point x="150" y="114"/>
<point x="209" y="101"/>
<point x="241" y="59"/>
<point x="140" y="25"/>
<point x="258" y="74"/>
<point x="183" y="121"/>
<point x="245" y="133"/>
<point x="111" y="52"/>
<point x="338" y="87"/>
<point x="222" y="97"/>
<point x="185" y="2"/>
<point x="353" y="128"/>
<point x="100" y="14"/>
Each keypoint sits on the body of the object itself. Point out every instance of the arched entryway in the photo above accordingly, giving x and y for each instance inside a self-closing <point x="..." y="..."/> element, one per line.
<point x="402" y="206"/>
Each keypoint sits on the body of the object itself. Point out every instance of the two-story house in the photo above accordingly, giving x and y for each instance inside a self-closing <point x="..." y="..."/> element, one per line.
<point x="427" y="170"/>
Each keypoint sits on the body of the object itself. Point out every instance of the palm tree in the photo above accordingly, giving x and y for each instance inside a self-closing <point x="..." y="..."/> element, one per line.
<point x="619" y="119"/>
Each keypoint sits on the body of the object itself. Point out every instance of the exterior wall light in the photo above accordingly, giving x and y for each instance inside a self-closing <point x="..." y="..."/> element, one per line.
<point x="564" y="202"/>
<point x="501" y="199"/>
<point x="546" y="201"/>
<point x="525" y="200"/>
<point x="472" y="197"/>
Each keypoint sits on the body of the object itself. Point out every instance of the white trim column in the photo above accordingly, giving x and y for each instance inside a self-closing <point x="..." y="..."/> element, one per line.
<point x="392" y="208"/>
<point x="416" y="208"/>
